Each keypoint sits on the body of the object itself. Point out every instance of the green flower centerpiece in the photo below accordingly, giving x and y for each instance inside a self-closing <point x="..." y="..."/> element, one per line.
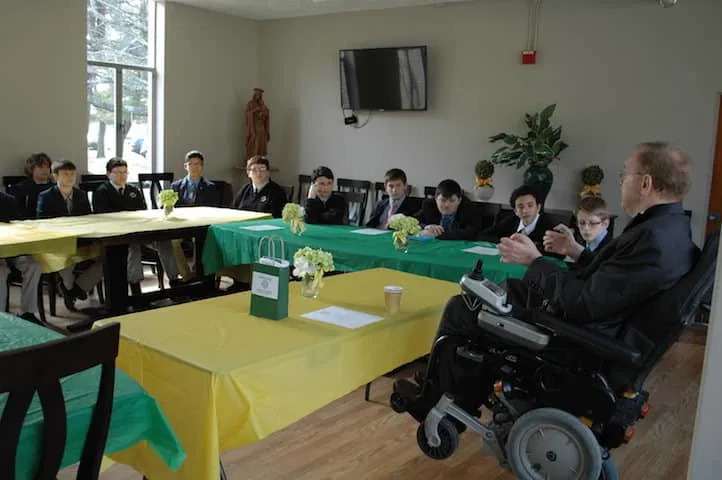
<point x="167" y="199"/>
<point x="294" y="214"/>
<point x="484" y="171"/>
<point x="310" y="265"/>
<point x="403" y="226"/>
<point x="592" y="177"/>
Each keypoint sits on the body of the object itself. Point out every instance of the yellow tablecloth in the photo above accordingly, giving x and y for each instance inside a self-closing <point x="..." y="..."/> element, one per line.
<point x="105" y="225"/>
<point x="28" y="240"/>
<point x="226" y="379"/>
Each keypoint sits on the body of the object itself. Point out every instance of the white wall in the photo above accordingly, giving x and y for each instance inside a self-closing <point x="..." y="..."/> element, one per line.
<point x="621" y="73"/>
<point x="210" y="70"/>
<point x="42" y="81"/>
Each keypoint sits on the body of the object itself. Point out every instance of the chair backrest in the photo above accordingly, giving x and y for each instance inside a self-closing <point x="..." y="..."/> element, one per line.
<point x="356" y="206"/>
<point x="226" y="190"/>
<point x="660" y="321"/>
<point x="39" y="369"/>
<point x="155" y="182"/>
<point x="89" y="188"/>
<point x="304" y="183"/>
<point x="486" y="212"/>
<point x="357" y="186"/>
<point x="560" y="216"/>
<point x="429" y="192"/>
<point x="289" y="191"/>
<point x="9" y="182"/>
<point x="92" y="177"/>
<point x="415" y="203"/>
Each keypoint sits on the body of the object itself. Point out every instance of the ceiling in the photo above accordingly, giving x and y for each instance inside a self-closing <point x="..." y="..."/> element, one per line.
<point x="274" y="9"/>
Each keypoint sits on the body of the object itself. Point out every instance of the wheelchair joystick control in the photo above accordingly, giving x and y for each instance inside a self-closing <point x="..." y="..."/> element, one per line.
<point x="491" y="294"/>
<point x="478" y="272"/>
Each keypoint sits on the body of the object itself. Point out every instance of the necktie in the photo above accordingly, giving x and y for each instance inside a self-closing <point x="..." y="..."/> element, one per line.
<point x="445" y="221"/>
<point x="392" y="210"/>
<point x="120" y="191"/>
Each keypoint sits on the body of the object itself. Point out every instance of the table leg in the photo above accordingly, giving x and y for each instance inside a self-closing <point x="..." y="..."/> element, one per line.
<point x="116" y="277"/>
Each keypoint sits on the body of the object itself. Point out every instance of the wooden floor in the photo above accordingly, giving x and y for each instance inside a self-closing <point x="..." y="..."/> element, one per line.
<point x="354" y="439"/>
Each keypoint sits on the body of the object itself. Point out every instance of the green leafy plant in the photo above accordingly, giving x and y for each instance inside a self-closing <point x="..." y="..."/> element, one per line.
<point x="592" y="175"/>
<point x="167" y="198"/>
<point x="541" y="145"/>
<point x="484" y="169"/>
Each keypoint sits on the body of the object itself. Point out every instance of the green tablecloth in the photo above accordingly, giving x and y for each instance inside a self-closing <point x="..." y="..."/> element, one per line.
<point x="136" y="415"/>
<point x="233" y="244"/>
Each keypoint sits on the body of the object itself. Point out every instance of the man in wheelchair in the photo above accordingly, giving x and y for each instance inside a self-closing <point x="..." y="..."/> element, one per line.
<point x="559" y="357"/>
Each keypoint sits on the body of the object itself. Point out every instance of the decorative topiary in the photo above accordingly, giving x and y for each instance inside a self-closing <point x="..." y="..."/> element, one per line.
<point x="592" y="175"/>
<point x="484" y="169"/>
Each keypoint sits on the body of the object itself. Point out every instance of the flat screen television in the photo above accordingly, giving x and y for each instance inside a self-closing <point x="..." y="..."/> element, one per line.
<point x="383" y="79"/>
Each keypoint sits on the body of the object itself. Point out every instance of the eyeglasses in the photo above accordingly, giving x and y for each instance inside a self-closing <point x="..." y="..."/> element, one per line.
<point x="256" y="169"/>
<point x="584" y="223"/>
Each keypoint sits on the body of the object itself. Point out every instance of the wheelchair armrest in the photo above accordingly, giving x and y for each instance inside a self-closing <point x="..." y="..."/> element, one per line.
<point x="592" y="340"/>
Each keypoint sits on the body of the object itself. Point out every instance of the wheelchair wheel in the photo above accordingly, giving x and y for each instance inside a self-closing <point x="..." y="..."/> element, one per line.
<point x="551" y="443"/>
<point x="609" y="470"/>
<point x="449" y="436"/>
<point x="399" y="403"/>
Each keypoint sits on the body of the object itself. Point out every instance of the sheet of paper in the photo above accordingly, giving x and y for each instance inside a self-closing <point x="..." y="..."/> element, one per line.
<point x="369" y="231"/>
<point x="342" y="317"/>
<point x="262" y="228"/>
<point x="479" y="250"/>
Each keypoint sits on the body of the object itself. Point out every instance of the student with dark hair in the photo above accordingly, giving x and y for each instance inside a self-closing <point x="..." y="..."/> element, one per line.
<point x="193" y="190"/>
<point x="29" y="267"/>
<point x="117" y="195"/>
<point x="37" y="169"/>
<point x="395" y="185"/>
<point x="66" y="200"/>
<point x="447" y="216"/>
<point x="528" y="220"/>
<point x="261" y="194"/>
<point x="323" y="206"/>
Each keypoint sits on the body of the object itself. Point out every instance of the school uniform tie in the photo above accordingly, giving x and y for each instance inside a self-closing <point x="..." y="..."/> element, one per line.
<point x="392" y="209"/>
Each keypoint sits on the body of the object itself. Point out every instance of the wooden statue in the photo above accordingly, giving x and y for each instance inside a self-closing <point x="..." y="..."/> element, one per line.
<point x="257" y="125"/>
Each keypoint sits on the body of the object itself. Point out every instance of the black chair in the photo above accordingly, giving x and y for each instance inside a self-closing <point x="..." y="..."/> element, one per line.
<point x="92" y="177"/>
<point x="289" y="189"/>
<point x="39" y="369"/>
<point x="226" y="190"/>
<point x="358" y="186"/>
<point x="155" y="182"/>
<point x="429" y="192"/>
<point x="304" y="183"/>
<point x="486" y="212"/>
<point x="356" y="205"/>
<point x="9" y="182"/>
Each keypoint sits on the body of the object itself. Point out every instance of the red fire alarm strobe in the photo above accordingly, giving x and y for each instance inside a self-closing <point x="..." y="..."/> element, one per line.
<point x="528" y="57"/>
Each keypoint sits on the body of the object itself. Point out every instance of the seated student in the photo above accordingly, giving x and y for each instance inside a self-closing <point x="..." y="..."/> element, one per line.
<point x="66" y="200"/>
<point x="592" y="221"/>
<point x="528" y="220"/>
<point x="261" y="194"/>
<point x="29" y="268"/>
<point x="37" y="168"/>
<point x="117" y="195"/>
<point x="323" y="206"/>
<point x="447" y="216"/>
<point x="649" y="257"/>
<point x="395" y="184"/>
<point x="193" y="190"/>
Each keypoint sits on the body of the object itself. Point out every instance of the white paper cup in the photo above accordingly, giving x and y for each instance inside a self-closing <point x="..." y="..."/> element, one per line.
<point x="392" y="296"/>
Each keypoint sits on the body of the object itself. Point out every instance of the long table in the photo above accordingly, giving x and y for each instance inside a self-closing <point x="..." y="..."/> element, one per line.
<point x="136" y="417"/>
<point x="226" y="378"/>
<point x="234" y="244"/>
<point x="29" y="240"/>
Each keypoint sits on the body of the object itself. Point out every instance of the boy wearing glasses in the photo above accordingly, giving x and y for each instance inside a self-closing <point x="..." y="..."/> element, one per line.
<point x="262" y="194"/>
<point x="592" y="223"/>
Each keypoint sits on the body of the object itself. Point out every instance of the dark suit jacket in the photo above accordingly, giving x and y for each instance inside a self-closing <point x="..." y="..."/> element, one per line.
<point x="8" y="208"/>
<point x="52" y="204"/>
<point x="271" y="199"/>
<point x="464" y="226"/>
<point x="650" y="256"/>
<point x="332" y="212"/>
<point x="207" y="195"/>
<point x="406" y="208"/>
<point x="107" y="199"/>
<point x="26" y="193"/>
<point x="509" y="225"/>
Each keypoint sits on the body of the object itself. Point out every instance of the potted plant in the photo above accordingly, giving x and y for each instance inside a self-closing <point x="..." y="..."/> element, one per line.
<point x="403" y="227"/>
<point x="167" y="199"/>
<point x="294" y="214"/>
<point x="310" y="265"/>
<point x="592" y="177"/>
<point x="541" y="145"/>
<point x="484" y="171"/>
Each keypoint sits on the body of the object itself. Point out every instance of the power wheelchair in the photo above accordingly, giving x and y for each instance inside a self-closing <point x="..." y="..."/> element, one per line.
<point x="561" y="395"/>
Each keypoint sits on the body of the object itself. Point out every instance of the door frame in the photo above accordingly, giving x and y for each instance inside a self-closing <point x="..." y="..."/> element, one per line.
<point x="716" y="183"/>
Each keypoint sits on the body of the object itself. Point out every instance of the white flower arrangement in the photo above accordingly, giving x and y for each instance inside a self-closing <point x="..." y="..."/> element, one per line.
<point x="403" y="226"/>
<point x="294" y="214"/>
<point x="309" y="262"/>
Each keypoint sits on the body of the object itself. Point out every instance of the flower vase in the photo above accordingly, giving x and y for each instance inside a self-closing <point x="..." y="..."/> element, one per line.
<point x="401" y="245"/>
<point x="485" y="192"/>
<point x="309" y="287"/>
<point x="167" y="210"/>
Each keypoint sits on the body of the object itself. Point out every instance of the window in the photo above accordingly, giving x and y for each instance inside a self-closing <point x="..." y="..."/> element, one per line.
<point x="121" y="83"/>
